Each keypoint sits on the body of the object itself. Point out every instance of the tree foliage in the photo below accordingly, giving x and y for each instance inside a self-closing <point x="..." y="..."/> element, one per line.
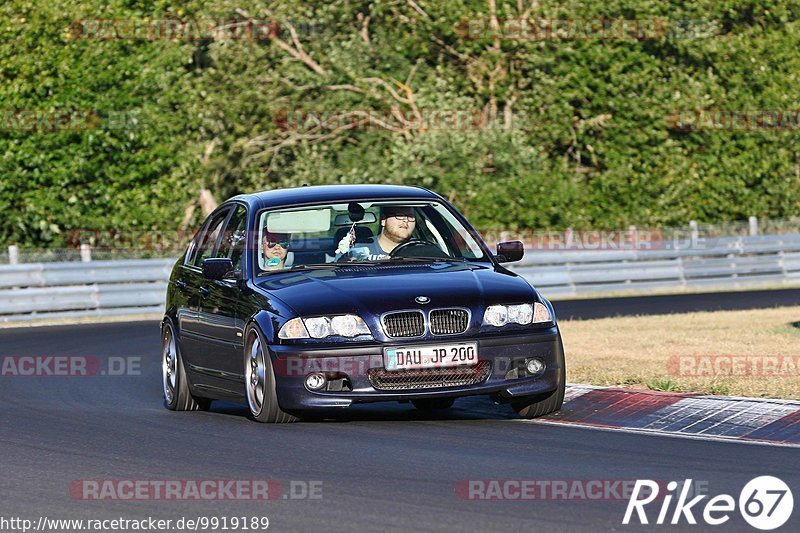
<point x="568" y="132"/>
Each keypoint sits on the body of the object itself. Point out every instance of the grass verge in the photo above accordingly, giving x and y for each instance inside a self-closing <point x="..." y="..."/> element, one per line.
<point x="753" y="353"/>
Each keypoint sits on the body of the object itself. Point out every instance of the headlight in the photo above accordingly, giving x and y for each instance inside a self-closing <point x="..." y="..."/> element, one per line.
<point x="496" y="315"/>
<point x="319" y="327"/>
<point x="520" y="314"/>
<point x="500" y="315"/>
<point x="348" y="326"/>
<point x="324" y="326"/>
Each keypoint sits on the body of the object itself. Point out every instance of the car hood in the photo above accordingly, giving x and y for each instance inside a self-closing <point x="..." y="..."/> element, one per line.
<point x="372" y="290"/>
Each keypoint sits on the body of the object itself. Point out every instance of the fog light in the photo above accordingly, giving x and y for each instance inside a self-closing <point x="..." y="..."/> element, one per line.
<point x="534" y="366"/>
<point x="316" y="381"/>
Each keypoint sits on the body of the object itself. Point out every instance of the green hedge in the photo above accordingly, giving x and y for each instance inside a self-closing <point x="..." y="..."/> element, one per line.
<point x="573" y="132"/>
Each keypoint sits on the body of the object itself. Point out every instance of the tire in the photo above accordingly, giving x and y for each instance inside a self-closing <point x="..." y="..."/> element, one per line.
<point x="262" y="397"/>
<point x="536" y="406"/>
<point x="174" y="383"/>
<point x="433" y="404"/>
<point x="544" y="404"/>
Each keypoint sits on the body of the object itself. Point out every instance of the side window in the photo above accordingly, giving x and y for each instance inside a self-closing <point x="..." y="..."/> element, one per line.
<point x="233" y="238"/>
<point x="442" y="233"/>
<point x="208" y="240"/>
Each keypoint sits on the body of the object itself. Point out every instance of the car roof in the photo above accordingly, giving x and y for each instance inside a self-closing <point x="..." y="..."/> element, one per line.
<point x="334" y="193"/>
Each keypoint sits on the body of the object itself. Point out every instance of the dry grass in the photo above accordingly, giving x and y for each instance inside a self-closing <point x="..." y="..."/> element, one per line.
<point x="644" y="352"/>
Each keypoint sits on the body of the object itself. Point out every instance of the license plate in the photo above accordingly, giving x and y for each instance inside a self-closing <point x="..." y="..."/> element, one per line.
<point x="432" y="356"/>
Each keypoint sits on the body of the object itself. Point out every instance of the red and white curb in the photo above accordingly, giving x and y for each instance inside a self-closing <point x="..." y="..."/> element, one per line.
<point x="688" y="415"/>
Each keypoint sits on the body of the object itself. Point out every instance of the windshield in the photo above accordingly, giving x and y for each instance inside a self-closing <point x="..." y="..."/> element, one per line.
<point x="363" y="232"/>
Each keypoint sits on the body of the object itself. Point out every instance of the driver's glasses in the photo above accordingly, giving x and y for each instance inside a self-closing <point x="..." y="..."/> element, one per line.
<point x="283" y="244"/>
<point x="406" y="218"/>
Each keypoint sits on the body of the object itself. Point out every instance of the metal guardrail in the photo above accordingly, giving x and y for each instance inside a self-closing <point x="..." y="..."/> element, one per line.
<point x="103" y="288"/>
<point x="731" y="262"/>
<point x="95" y="288"/>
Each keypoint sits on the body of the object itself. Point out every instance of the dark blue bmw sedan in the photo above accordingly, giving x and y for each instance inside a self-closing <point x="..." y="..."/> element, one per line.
<point x="297" y="300"/>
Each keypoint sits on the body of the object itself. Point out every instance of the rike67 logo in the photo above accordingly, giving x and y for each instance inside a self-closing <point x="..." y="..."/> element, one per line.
<point x="765" y="503"/>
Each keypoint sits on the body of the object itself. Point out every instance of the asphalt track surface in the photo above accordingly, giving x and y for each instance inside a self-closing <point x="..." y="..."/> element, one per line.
<point x="384" y="467"/>
<point x="675" y="303"/>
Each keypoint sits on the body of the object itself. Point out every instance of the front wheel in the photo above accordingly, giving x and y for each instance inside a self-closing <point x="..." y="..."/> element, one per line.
<point x="262" y="397"/>
<point x="177" y="396"/>
<point x="542" y="404"/>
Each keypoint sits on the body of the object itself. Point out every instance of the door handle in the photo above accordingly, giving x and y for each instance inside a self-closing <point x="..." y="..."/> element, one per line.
<point x="180" y="284"/>
<point x="205" y="291"/>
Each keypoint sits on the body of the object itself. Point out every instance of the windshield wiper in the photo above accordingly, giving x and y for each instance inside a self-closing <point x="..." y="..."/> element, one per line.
<point x="318" y="266"/>
<point x="321" y="266"/>
<point x="427" y="259"/>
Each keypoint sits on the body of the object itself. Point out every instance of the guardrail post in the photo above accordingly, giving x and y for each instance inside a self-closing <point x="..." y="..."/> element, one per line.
<point x="632" y="239"/>
<point x="86" y="253"/>
<point x="695" y="234"/>
<point x="753" y="226"/>
<point x="13" y="254"/>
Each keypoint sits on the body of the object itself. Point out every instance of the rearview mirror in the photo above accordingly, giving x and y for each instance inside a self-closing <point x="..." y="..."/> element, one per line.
<point x="510" y="251"/>
<point x="356" y="211"/>
<point x="217" y="268"/>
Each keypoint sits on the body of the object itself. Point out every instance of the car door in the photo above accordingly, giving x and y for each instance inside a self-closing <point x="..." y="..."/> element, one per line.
<point x="221" y="316"/>
<point x="190" y="282"/>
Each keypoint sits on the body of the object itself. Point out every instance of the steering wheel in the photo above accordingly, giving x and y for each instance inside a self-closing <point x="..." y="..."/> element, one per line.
<point x="413" y="242"/>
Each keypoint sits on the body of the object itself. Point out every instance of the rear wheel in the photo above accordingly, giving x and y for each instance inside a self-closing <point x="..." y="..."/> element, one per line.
<point x="173" y="376"/>
<point x="433" y="404"/>
<point x="262" y="397"/>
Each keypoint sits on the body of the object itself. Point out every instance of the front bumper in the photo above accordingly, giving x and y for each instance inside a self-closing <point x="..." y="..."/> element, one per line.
<point x="291" y="364"/>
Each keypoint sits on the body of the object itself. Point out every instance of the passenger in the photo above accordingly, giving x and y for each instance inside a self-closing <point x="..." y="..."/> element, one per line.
<point x="275" y="248"/>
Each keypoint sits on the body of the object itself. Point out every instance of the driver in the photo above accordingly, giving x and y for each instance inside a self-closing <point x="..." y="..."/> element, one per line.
<point x="397" y="225"/>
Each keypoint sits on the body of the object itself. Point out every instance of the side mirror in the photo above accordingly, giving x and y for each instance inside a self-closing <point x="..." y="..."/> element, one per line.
<point x="510" y="251"/>
<point x="217" y="268"/>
